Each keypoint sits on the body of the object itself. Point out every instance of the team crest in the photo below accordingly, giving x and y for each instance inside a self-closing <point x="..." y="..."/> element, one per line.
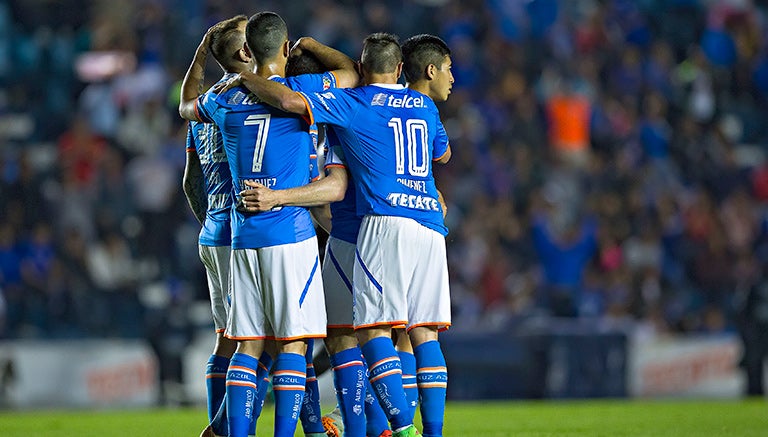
<point x="326" y="83"/>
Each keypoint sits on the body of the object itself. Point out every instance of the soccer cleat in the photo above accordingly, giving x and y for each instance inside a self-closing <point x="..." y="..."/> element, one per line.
<point x="208" y="432"/>
<point x="411" y="431"/>
<point x="333" y="423"/>
<point x="386" y="433"/>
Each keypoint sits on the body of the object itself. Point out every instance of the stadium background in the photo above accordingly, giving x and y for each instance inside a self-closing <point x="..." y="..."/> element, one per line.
<point x="606" y="195"/>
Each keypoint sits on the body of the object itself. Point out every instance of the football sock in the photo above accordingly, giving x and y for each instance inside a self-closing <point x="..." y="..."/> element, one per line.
<point x="387" y="380"/>
<point x="432" y="377"/>
<point x="262" y="386"/>
<point x="219" y="423"/>
<point x="216" y="383"/>
<point x="288" y="380"/>
<point x="408" y="362"/>
<point x="349" y="376"/>
<point x="310" y="409"/>
<point x="375" y="419"/>
<point x="241" y="393"/>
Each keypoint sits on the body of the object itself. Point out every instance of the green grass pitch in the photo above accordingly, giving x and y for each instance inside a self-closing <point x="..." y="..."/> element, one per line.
<point x="516" y="418"/>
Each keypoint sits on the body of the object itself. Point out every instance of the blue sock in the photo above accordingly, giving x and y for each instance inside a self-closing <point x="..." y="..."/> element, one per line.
<point x="387" y="380"/>
<point x="241" y="393"/>
<point x="219" y="423"/>
<point x="349" y="376"/>
<point x="310" y="409"/>
<point x="288" y="380"/>
<point x="409" y="380"/>
<point x="432" y="376"/>
<point x="375" y="419"/>
<point x="262" y="386"/>
<point x="216" y="383"/>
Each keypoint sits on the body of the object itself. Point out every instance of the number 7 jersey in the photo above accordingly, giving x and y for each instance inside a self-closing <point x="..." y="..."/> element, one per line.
<point x="269" y="146"/>
<point x="390" y="135"/>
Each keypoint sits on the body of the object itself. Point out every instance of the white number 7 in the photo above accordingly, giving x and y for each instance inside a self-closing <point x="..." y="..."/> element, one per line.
<point x="261" y="138"/>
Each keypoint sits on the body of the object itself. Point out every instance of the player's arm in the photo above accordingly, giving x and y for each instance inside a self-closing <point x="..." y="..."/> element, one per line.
<point x="322" y="216"/>
<point x="268" y="91"/>
<point x="341" y="65"/>
<point x="446" y="156"/>
<point x="194" y="186"/>
<point x="331" y="188"/>
<point x="192" y="85"/>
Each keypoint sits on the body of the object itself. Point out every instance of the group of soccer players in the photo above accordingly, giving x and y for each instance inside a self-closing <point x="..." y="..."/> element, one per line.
<point x="250" y="156"/>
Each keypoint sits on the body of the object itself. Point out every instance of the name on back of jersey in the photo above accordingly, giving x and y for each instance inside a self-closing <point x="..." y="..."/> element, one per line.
<point x="384" y="99"/>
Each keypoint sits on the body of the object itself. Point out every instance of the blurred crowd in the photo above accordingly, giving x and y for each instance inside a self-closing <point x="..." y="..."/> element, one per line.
<point x="608" y="159"/>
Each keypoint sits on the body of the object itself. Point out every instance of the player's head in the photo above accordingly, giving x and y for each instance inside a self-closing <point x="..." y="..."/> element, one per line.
<point x="303" y="62"/>
<point x="381" y="54"/>
<point x="266" y="35"/>
<point x="226" y="44"/>
<point x="428" y="58"/>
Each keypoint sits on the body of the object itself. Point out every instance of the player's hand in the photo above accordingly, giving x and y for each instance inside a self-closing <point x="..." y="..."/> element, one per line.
<point x="257" y="198"/>
<point x="232" y="82"/>
<point x="443" y="205"/>
<point x="304" y="43"/>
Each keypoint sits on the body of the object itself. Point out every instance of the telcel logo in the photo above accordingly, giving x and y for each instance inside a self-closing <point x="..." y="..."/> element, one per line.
<point x="406" y="102"/>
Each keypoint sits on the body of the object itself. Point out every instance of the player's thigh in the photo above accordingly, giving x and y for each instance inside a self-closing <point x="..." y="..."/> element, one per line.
<point x="294" y="299"/>
<point x="429" y="299"/>
<point x="216" y="262"/>
<point x="338" y="269"/>
<point x="247" y="316"/>
<point x="381" y="272"/>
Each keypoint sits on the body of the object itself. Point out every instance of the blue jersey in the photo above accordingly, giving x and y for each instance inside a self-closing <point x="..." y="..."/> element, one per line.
<point x="314" y="170"/>
<point x="268" y="146"/>
<point x="345" y="223"/>
<point x="205" y="139"/>
<point x="390" y="136"/>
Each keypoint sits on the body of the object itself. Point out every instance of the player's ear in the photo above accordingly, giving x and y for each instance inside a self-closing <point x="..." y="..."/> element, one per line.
<point x="246" y="50"/>
<point x="430" y="71"/>
<point x="286" y="48"/>
<point x="399" y="70"/>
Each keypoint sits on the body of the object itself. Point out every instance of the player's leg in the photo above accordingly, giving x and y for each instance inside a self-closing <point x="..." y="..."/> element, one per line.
<point x="349" y="376"/>
<point x="216" y="262"/>
<point x="248" y="325"/>
<point x="310" y="416"/>
<point x="408" y="361"/>
<point x="380" y="303"/>
<point x="429" y="310"/>
<point x="294" y="293"/>
<point x="349" y="372"/>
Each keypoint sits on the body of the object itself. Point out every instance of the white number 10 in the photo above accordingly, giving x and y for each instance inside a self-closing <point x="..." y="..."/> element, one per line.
<point x="261" y="138"/>
<point x="416" y="135"/>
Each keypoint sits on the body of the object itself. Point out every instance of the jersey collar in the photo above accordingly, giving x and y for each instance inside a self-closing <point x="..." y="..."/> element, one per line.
<point x="391" y="86"/>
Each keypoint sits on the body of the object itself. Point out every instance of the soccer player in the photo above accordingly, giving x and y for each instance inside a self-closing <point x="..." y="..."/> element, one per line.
<point x="390" y="136"/>
<point x="208" y="188"/>
<point x="275" y="289"/>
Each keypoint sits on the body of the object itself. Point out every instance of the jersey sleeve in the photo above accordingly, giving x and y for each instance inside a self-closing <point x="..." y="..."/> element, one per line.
<point x="334" y="107"/>
<point x="191" y="147"/>
<point x="441" y="144"/>
<point x="204" y="107"/>
<point x="334" y="155"/>
<point x="311" y="82"/>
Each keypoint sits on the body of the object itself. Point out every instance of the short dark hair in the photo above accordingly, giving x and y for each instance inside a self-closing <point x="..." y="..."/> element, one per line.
<point x="265" y="34"/>
<point x="419" y="51"/>
<point x="226" y="40"/>
<point x="303" y="63"/>
<point x="381" y="53"/>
